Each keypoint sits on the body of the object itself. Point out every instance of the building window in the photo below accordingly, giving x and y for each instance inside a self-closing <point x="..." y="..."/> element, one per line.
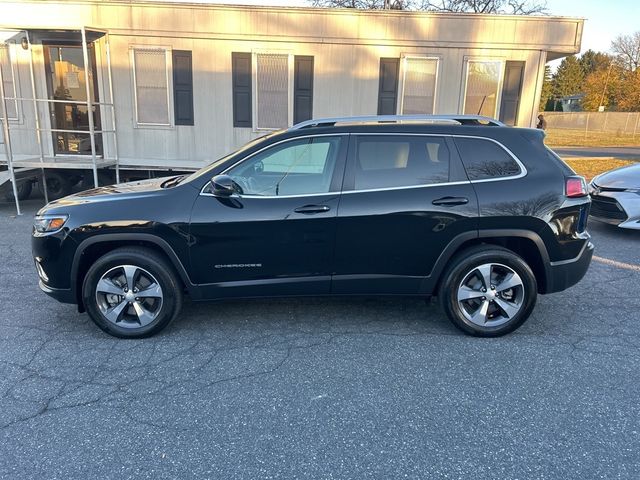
<point x="482" y="87"/>
<point x="272" y="91"/>
<point x="6" y="63"/>
<point x="151" y="84"/>
<point x="419" y="85"/>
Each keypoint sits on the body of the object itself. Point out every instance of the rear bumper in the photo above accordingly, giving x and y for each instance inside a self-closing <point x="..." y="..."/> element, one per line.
<point x="567" y="273"/>
<point x="63" y="295"/>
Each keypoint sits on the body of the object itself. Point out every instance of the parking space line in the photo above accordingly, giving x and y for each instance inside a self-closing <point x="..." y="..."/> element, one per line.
<point x="614" y="263"/>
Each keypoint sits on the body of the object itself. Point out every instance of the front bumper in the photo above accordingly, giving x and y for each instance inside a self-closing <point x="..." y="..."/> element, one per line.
<point x="616" y="208"/>
<point x="566" y="273"/>
<point x="63" y="295"/>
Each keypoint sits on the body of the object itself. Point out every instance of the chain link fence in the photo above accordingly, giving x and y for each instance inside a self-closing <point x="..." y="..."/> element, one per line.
<point x="618" y="123"/>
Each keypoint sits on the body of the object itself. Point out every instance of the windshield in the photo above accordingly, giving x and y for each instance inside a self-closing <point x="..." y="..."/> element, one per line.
<point x="208" y="168"/>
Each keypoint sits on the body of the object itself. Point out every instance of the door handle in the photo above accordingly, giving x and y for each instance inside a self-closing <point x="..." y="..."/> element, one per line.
<point x="450" y="201"/>
<point x="312" y="209"/>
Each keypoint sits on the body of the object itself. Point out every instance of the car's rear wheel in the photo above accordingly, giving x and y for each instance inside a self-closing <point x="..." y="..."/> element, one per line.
<point x="132" y="293"/>
<point x="488" y="291"/>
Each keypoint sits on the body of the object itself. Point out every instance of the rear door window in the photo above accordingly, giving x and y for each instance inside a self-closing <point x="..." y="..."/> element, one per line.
<point x="484" y="159"/>
<point x="390" y="161"/>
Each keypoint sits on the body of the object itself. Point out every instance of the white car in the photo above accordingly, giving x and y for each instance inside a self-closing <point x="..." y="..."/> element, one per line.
<point x="615" y="197"/>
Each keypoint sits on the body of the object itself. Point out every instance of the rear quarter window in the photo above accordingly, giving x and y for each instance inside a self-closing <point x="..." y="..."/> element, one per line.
<point x="484" y="159"/>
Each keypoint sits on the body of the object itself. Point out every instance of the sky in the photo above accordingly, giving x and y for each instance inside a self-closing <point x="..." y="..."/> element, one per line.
<point x="605" y="19"/>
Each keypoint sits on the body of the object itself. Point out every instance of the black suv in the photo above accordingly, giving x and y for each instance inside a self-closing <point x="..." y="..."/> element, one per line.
<point x="482" y="215"/>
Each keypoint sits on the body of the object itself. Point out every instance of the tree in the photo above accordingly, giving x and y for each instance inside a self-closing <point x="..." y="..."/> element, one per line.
<point x="365" y="4"/>
<point x="601" y="87"/>
<point x="627" y="48"/>
<point x="513" y="7"/>
<point x="568" y="78"/>
<point x="592" y="61"/>
<point x="547" y="89"/>
<point x="629" y="91"/>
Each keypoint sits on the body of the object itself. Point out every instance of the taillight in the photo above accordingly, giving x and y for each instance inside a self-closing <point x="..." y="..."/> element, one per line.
<point x="575" y="187"/>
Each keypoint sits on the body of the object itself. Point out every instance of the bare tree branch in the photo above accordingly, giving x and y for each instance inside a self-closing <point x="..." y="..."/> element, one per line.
<point x="627" y="48"/>
<point x="514" y="7"/>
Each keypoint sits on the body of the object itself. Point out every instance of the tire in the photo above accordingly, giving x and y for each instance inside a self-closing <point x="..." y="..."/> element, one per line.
<point x="121" y="312"/>
<point x="58" y="185"/>
<point x="506" y="302"/>
<point x="24" y="191"/>
<point x="105" y="177"/>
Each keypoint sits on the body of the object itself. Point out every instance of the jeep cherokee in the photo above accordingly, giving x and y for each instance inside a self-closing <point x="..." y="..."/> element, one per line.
<point x="482" y="215"/>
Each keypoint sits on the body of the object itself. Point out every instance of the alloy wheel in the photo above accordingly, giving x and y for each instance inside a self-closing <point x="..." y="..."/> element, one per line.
<point x="490" y="295"/>
<point x="129" y="296"/>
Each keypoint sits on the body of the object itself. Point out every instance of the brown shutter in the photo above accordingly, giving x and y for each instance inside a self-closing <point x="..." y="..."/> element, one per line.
<point x="182" y="87"/>
<point x="241" y="83"/>
<point x="388" y="86"/>
<point x="511" y="92"/>
<point x="302" y="89"/>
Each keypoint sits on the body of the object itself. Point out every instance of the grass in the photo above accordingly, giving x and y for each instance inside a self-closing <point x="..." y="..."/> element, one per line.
<point x="590" y="167"/>
<point x="557" y="137"/>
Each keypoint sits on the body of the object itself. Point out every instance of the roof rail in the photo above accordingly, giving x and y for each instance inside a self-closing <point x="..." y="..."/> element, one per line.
<point x="454" y="119"/>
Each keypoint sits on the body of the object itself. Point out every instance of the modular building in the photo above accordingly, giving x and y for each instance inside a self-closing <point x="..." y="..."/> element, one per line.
<point x="175" y="85"/>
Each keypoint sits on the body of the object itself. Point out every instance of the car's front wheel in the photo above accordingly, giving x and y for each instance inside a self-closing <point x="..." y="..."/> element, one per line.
<point x="132" y="293"/>
<point x="488" y="291"/>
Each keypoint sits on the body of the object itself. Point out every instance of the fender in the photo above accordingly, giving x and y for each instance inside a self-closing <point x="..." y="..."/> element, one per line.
<point x="145" y="237"/>
<point x="430" y="282"/>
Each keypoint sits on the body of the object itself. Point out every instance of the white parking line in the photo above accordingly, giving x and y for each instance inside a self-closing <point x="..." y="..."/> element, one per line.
<point x="614" y="263"/>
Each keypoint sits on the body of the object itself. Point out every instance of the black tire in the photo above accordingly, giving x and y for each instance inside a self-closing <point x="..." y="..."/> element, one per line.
<point x="58" y="185"/>
<point x="24" y="191"/>
<point x="105" y="177"/>
<point x="468" y="314"/>
<point x="127" y="323"/>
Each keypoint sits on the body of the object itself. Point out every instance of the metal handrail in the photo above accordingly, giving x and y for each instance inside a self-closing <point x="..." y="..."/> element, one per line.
<point x="55" y="100"/>
<point x="454" y="119"/>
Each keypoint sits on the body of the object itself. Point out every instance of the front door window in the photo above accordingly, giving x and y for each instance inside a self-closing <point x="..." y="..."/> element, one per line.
<point x="67" y="78"/>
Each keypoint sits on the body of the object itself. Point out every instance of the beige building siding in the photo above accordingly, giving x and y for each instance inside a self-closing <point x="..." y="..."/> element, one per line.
<point x="346" y="45"/>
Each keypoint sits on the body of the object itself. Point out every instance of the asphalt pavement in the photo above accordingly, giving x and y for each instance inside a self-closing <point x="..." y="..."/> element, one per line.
<point x="628" y="153"/>
<point x="349" y="388"/>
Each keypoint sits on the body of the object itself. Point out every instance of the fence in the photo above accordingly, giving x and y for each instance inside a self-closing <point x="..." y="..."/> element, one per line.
<point x="619" y="123"/>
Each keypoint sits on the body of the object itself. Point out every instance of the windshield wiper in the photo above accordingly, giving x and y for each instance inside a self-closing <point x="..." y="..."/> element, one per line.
<point x="172" y="182"/>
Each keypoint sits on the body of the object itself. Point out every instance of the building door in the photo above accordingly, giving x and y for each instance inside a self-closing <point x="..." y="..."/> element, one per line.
<point x="67" y="77"/>
<point x="511" y="92"/>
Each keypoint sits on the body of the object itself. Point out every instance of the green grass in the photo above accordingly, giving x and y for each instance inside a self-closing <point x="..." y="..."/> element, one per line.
<point x="557" y="137"/>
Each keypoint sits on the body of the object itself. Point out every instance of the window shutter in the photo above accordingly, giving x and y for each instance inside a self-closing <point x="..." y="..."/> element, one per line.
<point x="303" y="89"/>
<point x="182" y="87"/>
<point x="241" y="84"/>
<point x="388" y="86"/>
<point x="511" y="92"/>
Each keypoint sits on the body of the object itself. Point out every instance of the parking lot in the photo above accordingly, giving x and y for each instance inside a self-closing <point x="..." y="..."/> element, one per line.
<point x="323" y="388"/>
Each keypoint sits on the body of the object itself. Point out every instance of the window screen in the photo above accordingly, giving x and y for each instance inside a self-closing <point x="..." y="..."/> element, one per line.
<point x="483" y="79"/>
<point x="152" y="100"/>
<point x="400" y="161"/>
<point x="7" y="78"/>
<point x="419" y="85"/>
<point x="484" y="159"/>
<point x="272" y="95"/>
<point x="297" y="167"/>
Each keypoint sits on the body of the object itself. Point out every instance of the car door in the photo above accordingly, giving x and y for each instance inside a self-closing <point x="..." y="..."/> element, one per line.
<point x="405" y="198"/>
<point x="276" y="235"/>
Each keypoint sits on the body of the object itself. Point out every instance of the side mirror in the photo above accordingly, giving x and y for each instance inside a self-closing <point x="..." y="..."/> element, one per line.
<point x="222" y="186"/>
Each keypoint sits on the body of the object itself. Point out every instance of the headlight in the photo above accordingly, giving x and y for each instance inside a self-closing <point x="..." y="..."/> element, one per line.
<point x="49" y="223"/>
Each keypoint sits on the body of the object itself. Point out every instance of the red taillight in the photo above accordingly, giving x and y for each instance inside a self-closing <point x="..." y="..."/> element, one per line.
<point x="576" y="187"/>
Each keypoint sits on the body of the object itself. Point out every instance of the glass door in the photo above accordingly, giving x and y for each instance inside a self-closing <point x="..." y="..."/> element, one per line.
<point x="67" y="77"/>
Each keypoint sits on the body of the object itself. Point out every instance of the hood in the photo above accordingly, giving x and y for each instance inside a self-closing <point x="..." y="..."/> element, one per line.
<point x="623" y="177"/>
<point x="121" y="191"/>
